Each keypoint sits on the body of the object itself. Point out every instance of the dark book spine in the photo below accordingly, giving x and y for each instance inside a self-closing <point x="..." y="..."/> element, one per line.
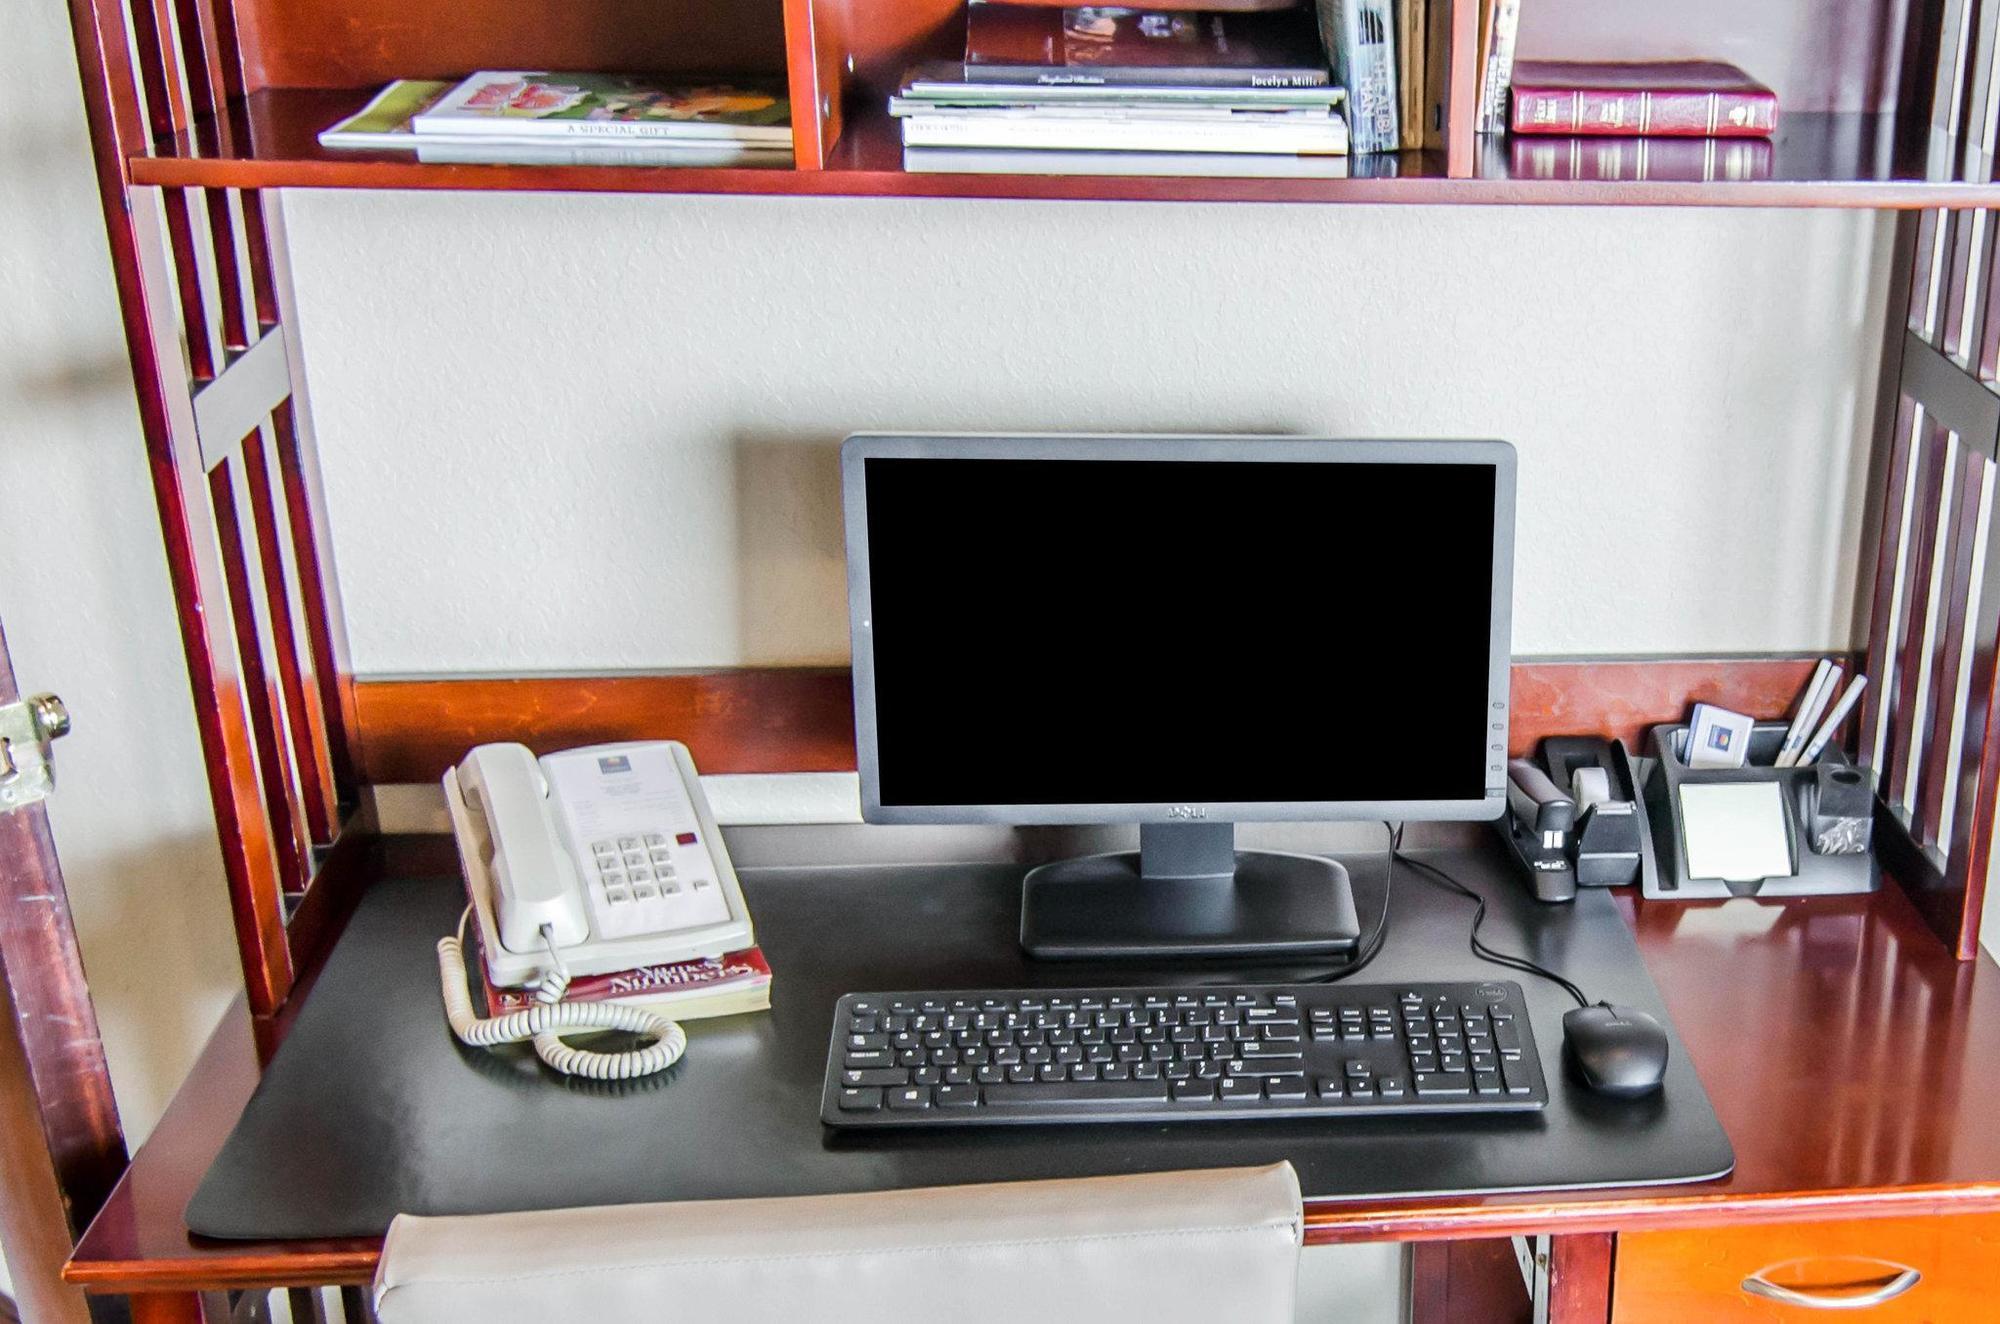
<point x="1359" y="39"/>
<point x="1627" y="112"/>
<point x="1023" y="75"/>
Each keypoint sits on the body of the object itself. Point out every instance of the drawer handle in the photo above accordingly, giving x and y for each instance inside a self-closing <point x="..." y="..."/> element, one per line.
<point x="1757" y="1284"/>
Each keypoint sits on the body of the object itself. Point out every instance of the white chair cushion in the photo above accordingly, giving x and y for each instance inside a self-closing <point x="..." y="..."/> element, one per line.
<point x="1208" y="1247"/>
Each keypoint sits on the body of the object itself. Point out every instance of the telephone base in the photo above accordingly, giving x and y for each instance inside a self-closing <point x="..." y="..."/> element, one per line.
<point x="1230" y="903"/>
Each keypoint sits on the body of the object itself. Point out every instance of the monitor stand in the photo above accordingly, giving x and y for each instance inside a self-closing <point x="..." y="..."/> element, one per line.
<point x="1187" y="891"/>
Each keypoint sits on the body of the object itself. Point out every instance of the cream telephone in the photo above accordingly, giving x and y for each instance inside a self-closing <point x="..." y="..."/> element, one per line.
<point x="589" y="861"/>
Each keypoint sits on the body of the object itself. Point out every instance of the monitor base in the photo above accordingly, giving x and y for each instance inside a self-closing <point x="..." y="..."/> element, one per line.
<point x="1188" y="892"/>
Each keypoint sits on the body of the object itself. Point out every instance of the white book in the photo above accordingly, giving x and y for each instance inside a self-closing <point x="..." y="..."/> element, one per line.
<point x="437" y="150"/>
<point x="1018" y="161"/>
<point x="1498" y="74"/>
<point x="515" y="104"/>
<point x="1327" y="137"/>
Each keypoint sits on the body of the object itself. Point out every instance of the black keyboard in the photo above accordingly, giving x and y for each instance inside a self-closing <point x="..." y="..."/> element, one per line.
<point x="991" y="1057"/>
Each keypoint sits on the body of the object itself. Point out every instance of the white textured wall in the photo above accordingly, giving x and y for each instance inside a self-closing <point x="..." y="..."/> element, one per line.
<point x="85" y="599"/>
<point x="565" y="432"/>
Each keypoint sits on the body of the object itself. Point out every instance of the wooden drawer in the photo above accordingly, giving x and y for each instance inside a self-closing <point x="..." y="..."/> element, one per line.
<point x="1700" y="1275"/>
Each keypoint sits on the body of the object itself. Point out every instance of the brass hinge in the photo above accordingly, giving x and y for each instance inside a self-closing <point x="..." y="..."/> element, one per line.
<point x="27" y="772"/>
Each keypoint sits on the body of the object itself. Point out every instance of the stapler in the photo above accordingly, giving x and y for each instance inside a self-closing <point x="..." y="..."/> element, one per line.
<point x="1537" y="827"/>
<point x="1574" y="818"/>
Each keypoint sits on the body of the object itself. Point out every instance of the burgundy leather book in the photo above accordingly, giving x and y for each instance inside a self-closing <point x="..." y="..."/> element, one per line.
<point x="1664" y="98"/>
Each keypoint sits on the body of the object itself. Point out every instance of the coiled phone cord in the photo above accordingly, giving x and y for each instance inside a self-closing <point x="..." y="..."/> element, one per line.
<point x="550" y="1018"/>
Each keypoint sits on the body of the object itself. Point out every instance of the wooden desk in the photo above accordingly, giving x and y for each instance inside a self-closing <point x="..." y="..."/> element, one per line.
<point x="1842" y="1046"/>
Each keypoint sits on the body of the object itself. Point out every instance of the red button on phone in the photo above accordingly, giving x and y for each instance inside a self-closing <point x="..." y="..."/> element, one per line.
<point x="685" y="838"/>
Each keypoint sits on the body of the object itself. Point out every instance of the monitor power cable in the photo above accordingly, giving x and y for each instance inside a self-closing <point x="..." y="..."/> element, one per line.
<point x="1374" y="943"/>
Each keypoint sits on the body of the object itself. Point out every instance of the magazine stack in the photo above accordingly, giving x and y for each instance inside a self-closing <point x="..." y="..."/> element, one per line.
<point x="1111" y="91"/>
<point x="575" y="119"/>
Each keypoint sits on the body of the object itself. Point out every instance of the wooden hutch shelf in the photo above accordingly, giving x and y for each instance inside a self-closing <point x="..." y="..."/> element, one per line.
<point x="268" y="140"/>
<point x="1855" y="130"/>
<point x="197" y="106"/>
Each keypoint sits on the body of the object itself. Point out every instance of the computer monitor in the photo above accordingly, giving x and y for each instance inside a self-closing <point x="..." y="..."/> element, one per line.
<point x="1185" y="633"/>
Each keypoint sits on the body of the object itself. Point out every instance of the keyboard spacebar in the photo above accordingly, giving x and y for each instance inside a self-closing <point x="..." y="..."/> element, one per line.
<point x="1078" y="1093"/>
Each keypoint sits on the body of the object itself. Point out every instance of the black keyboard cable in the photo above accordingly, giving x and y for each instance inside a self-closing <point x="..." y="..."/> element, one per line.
<point x="1479" y="948"/>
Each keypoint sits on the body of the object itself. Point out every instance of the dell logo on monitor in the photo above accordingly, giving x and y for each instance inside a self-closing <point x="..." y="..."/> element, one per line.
<point x="1186" y="811"/>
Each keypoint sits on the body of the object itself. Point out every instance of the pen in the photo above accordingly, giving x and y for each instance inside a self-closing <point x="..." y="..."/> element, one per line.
<point x="1825" y="676"/>
<point x="1833" y="720"/>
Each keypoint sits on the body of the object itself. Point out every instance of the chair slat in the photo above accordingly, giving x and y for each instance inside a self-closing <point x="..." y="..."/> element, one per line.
<point x="1905" y="743"/>
<point x="1954" y="605"/>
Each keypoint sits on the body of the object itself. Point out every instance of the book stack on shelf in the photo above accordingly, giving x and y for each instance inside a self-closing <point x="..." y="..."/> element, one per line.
<point x="1044" y="89"/>
<point x="575" y="119"/>
<point x="1256" y="87"/>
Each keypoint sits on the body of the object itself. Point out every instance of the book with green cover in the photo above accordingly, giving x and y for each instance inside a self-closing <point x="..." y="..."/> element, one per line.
<point x="570" y="105"/>
<point x="385" y="121"/>
<point x="384" y="124"/>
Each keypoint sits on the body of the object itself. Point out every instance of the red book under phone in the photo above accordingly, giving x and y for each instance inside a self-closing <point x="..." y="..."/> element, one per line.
<point x="1664" y="98"/>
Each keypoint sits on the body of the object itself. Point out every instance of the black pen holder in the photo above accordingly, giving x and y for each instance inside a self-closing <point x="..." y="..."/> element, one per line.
<point x="1828" y="810"/>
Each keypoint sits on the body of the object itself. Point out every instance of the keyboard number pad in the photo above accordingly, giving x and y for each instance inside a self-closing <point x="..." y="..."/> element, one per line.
<point x="1460" y="1048"/>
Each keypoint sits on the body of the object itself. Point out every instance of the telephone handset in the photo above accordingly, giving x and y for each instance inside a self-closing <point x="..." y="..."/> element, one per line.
<point x="497" y="808"/>
<point x="589" y="861"/>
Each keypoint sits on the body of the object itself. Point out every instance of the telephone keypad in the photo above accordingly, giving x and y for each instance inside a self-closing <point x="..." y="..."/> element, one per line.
<point x="637" y="873"/>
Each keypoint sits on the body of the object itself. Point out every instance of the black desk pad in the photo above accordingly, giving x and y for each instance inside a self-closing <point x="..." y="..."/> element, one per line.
<point x="371" y="1108"/>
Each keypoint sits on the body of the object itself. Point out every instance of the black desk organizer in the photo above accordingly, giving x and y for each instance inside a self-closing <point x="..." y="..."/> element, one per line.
<point x="1830" y="801"/>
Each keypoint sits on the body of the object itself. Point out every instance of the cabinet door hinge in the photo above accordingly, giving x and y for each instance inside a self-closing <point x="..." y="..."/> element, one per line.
<point x="27" y="728"/>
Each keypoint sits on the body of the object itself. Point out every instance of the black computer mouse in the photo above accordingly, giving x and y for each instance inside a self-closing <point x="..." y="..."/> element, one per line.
<point x="1620" y="1051"/>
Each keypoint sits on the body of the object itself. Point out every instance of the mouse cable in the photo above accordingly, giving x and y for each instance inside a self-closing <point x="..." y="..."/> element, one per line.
<point x="1374" y="943"/>
<point x="1479" y="948"/>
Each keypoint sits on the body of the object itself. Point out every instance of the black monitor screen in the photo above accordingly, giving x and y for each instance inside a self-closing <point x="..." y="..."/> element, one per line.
<point x="1106" y="632"/>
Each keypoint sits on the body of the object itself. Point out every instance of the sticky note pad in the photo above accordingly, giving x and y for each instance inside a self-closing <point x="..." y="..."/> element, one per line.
<point x="1735" y="831"/>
